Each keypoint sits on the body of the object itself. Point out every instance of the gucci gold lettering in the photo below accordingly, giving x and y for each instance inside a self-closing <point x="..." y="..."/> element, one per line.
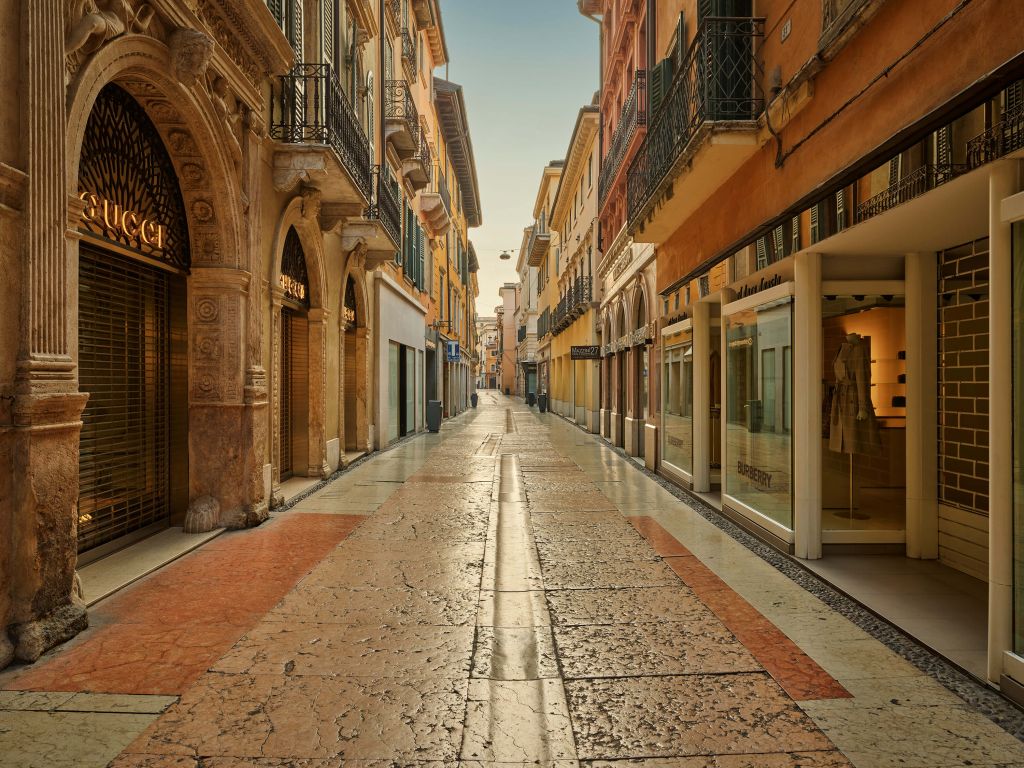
<point x="118" y="221"/>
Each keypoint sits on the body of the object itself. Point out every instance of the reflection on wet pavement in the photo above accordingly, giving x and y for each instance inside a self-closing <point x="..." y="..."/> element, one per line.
<point x="507" y="604"/>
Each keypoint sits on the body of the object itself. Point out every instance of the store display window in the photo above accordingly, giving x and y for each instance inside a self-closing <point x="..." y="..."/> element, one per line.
<point x="864" y="413"/>
<point x="759" y="392"/>
<point x="677" y="402"/>
<point x="1018" y="437"/>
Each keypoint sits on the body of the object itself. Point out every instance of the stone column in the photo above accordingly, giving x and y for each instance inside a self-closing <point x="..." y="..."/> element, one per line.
<point x="701" y="329"/>
<point x="317" y="393"/>
<point x="276" y="298"/>
<point x="1002" y="184"/>
<point x="255" y="400"/>
<point x="44" y="416"/>
<point x="922" y="406"/>
<point x="807" y="394"/>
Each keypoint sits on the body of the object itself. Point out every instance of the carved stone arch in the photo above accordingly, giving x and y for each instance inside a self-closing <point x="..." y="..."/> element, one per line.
<point x="184" y="118"/>
<point x="354" y="360"/>
<point x="620" y="317"/>
<point x="641" y="300"/>
<point x="226" y="442"/>
<point x="301" y="215"/>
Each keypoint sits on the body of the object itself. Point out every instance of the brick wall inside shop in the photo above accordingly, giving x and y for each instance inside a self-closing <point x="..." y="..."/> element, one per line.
<point x="963" y="377"/>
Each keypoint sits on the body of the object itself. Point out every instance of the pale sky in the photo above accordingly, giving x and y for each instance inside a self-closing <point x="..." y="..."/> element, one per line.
<point x="526" y="66"/>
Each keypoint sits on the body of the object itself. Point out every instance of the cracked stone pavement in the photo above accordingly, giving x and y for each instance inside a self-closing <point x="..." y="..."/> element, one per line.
<point x="509" y="591"/>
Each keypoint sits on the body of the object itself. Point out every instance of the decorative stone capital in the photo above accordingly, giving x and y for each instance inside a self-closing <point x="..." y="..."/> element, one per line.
<point x="334" y="215"/>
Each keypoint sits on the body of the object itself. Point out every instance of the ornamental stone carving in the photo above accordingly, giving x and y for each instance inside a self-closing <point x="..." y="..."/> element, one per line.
<point x="191" y="51"/>
<point x="90" y="24"/>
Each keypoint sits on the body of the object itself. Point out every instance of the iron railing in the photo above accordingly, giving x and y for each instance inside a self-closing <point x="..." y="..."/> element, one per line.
<point x="309" y="107"/>
<point x="442" y="190"/>
<point x="573" y="304"/>
<point x="1002" y="138"/>
<point x="544" y="324"/>
<point x="409" y="51"/>
<point x="715" y="82"/>
<point x="914" y="184"/>
<point x="385" y="206"/>
<point x="632" y="117"/>
<point x="424" y="155"/>
<point x="398" y="104"/>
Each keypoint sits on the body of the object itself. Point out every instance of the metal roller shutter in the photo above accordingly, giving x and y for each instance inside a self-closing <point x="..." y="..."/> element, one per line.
<point x="124" y="365"/>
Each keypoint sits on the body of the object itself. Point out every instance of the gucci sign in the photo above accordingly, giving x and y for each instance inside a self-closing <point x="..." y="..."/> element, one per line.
<point x="293" y="289"/>
<point x="118" y="221"/>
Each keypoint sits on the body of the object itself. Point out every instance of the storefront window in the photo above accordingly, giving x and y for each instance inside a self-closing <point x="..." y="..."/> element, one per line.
<point x="864" y="413"/>
<point x="677" y="403"/>
<point x="1018" y="437"/>
<point x="759" y="457"/>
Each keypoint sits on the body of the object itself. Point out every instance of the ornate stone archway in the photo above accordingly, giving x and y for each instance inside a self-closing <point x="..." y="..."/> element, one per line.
<point x="355" y="344"/>
<point x="227" y="387"/>
<point x="302" y="216"/>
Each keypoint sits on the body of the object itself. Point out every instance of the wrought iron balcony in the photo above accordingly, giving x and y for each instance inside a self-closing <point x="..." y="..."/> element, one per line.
<point x="385" y="206"/>
<point x="436" y="206"/>
<point x="401" y="119"/>
<point x="308" y="106"/>
<point x="419" y="168"/>
<point x="573" y="304"/>
<point x="716" y="83"/>
<point x="1001" y="139"/>
<point x="409" y="52"/>
<point x="914" y="184"/>
<point x="631" y="119"/>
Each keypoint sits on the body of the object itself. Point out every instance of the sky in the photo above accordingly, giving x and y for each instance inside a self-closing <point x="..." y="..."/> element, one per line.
<point x="526" y="67"/>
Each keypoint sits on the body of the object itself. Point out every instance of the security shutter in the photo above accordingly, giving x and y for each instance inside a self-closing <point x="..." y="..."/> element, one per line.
<point x="285" y="425"/>
<point x="124" y="365"/>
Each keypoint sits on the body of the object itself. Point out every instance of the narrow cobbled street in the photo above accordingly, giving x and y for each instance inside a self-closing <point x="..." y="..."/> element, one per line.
<point x="508" y="591"/>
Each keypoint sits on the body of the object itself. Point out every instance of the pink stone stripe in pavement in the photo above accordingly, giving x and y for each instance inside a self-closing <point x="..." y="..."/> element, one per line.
<point x="798" y="674"/>
<point x="159" y="635"/>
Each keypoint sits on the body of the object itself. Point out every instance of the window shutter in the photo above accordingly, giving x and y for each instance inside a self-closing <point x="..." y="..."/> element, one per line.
<point x="419" y="250"/>
<point x="779" y="243"/>
<point x="943" y="151"/>
<point x="795" y="243"/>
<point x="1013" y="97"/>
<point x="762" y="253"/>
<point x="327" y="30"/>
<point x="894" y="170"/>
<point x="815" y="225"/>
<point x="277" y="10"/>
<point x="295" y="28"/>
<point x="840" y="210"/>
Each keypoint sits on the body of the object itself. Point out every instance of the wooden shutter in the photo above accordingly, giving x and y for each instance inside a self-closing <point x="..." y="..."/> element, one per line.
<point x="815" y="224"/>
<point x="894" y="170"/>
<point x="840" y="210"/>
<point x="419" y="251"/>
<point x="762" y="253"/>
<point x="778" y="243"/>
<point x="328" y="27"/>
<point x="1013" y="97"/>
<point x="795" y="235"/>
<point x="295" y="28"/>
<point x="277" y="10"/>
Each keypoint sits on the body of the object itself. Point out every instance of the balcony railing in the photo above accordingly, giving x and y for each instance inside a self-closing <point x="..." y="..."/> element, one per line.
<point x="572" y="305"/>
<point x="632" y="117"/>
<point x="716" y="82"/>
<point x="398" y="104"/>
<point x="409" y="51"/>
<point x="914" y="184"/>
<point x="310" y="107"/>
<point x="1001" y="139"/>
<point x="385" y="206"/>
<point x="544" y="324"/>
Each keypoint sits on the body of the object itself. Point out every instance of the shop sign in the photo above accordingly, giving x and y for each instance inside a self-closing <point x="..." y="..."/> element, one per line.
<point x="116" y="221"/>
<point x="762" y="285"/>
<point x="760" y="477"/>
<point x="293" y="289"/>
<point x="453" y="352"/>
<point x="585" y="353"/>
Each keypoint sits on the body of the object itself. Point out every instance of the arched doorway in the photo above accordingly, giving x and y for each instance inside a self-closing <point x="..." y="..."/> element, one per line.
<point x="134" y="259"/>
<point x="293" y="364"/>
<point x="641" y="364"/>
<point x="353" y="384"/>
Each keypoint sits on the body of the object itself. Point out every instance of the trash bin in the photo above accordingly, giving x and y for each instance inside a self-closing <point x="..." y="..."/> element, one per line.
<point x="531" y="399"/>
<point x="754" y="415"/>
<point x="474" y="398"/>
<point x="434" y="415"/>
<point x="542" y="402"/>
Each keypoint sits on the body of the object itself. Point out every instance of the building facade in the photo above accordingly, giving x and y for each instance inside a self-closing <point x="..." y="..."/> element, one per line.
<point x="525" y="319"/>
<point x="835" y="221"/>
<point x="487" y="353"/>
<point x="203" y="228"/>
<point x="507" y="344"/>
<point x="575" y="344"/>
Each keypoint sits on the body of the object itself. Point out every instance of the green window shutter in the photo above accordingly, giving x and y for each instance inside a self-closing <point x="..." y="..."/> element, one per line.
<point x="277" y="10"/>
<point x="840" y="210"/>
<point x="420" y="247"/>
<point x="762" y="253"/>
<point x="795" y="243"/>
<point x="295" y="27"/>
<point x="778" y="243"/>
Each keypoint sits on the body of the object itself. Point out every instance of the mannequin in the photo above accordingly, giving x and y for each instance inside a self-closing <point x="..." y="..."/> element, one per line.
<point x="853" y="427"/>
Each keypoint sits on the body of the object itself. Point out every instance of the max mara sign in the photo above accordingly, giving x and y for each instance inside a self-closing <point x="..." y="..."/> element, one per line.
<point x="119" y="222"/>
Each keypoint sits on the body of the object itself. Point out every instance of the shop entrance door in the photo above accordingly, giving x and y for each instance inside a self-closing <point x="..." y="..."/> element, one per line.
<point x="294" y="444"/>
<point x="124" y="363"/>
